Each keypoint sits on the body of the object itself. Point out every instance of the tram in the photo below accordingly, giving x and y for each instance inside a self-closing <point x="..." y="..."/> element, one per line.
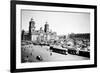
<point x="59" y="49"/>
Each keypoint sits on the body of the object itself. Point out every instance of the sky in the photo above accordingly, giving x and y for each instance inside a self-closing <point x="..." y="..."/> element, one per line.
<point x="60" y="22"/>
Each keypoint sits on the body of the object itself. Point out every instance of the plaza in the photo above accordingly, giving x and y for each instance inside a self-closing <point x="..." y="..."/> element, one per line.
<point x="30" y="53"/>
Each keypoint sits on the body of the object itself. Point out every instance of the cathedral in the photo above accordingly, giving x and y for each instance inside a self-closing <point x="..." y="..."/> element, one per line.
<point x="39" y="35"/>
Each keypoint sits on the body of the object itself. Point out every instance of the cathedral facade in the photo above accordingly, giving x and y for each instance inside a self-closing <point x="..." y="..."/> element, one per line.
<point x="39" y="35"/>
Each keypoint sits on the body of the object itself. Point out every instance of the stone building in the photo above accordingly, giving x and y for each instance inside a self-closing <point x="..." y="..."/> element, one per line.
<point x="39" y="35"/>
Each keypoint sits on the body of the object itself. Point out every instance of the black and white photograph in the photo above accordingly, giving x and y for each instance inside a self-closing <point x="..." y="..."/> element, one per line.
<point x="54" y="36"/>
<point x="50" y="36"/>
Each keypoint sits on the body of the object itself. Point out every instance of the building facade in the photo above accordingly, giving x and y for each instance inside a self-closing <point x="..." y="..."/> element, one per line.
<point x="39" y="35"/>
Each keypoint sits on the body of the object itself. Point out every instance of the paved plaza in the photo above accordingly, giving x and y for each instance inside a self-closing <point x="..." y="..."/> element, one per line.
<point x="30" y="52"/>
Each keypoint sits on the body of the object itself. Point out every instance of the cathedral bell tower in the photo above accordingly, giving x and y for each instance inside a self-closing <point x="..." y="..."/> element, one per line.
<point x="31" y="27"/>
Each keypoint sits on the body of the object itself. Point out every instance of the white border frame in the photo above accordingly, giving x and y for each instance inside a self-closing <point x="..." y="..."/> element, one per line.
<point x="20" y="65"/>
